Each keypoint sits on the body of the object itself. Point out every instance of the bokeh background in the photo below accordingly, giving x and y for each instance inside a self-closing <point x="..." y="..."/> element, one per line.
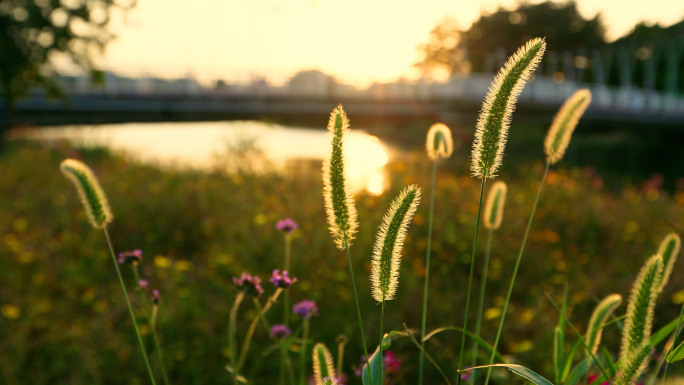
<point x="205" y="123"/>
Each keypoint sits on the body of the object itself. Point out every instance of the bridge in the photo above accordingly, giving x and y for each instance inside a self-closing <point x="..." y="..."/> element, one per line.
<point x="457" y="101"/>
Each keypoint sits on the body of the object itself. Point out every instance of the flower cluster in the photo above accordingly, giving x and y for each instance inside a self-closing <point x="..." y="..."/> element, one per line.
<point x="283" y="280"/>
<point x="280" y="331"/>
<point x="305" y="308"/>
<point x="134" y="256"/>
<point x="287" y="225"/>
<point x="251" y="284"/>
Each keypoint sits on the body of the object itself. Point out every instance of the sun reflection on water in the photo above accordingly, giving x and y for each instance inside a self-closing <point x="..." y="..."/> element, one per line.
<point x="199" y="144"/>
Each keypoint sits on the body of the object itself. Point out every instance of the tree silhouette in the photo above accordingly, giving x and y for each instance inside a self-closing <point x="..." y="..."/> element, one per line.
<point x="505" y="30"/>
<point x="33" y="31"/>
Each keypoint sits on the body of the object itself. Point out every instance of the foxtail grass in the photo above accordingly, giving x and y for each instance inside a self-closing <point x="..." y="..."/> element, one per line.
<point x="322" y="364"/>
<point x="386" y="257"/>
<point x="491" y="135"/>
<point x="339" y="203"/>
<point x="668" y="251"/>
<point x="493" y="216"/>
<point x="640" y="308"/>
<point x="633" y="364"/>
<point x="570" y="117"/>
<point x="564" y="124"/>
<point x="99" y="215"/>
<point x="498" y="106"/>
<point x="439" y="145"/>
<point x="599" y="316"/>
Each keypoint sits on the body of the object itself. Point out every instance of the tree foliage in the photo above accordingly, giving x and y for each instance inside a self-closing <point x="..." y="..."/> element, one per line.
<point x="33" y="31"/>
<point x="504" y="30"/>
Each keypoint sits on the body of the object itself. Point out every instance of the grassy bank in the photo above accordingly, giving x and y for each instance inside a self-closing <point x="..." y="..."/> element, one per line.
<point x="63" y="319"/>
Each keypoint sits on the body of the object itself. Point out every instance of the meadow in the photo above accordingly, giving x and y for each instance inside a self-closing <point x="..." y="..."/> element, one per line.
<point x="193" y="235"/>
<point x="64" y="321"/>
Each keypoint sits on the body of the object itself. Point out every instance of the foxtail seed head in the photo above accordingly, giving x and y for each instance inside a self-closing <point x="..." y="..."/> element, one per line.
<point x="389" y="241"/>
<point x="322" y="363"/>
<point x="439" y="143"/>
<point x="558" y="137"/>
<point x="498" y="106"/>
<point x="633" y="364"/>
<point x="640" y="306"/>
<point x="496" y="199"/>
<point x="89" y="190"/>
<point x="339" y="202"/>
<point x="603" y="310"/>
<point x="668" y="250"/>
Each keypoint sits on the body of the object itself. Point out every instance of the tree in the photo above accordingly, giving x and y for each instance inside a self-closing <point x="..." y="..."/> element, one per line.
<point x="33" y="31"/>
<point x="505" y="30"/>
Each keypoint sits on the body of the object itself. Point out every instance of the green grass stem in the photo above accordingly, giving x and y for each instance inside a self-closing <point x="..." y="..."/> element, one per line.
<point x="130" y="308"/>
<point x="302" y="352"/>
<point x="515" y="271"/>
<point x="480" y="300"/>
<point x="356" y="302"/>
<point x="157" y="347"/>
<point x="674" y="341"/>
<point x="470" y="283"/>
<point x="232" y="324"/>
<point x="427" y="272"/>
<point x="252" y="328"/>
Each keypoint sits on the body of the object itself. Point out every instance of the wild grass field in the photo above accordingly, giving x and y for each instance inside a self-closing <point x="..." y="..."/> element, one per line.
<point x="63" y="319"/>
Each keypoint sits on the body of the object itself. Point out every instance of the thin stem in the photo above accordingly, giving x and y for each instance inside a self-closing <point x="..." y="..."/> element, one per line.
<point x="480" y="302"/>
<point x="356" y="301"/>
<point x="232" y="324"/>
<point x="470" y="283"/>
<point x="252" y="328"/>
<point x="303" y="351"/>
<point x="679" y="324"/>
<point x="143" y="300"/>
<point x="130" y="308"/>
<point x="286" y="303"/>
<point x="427" y="272"/>
<point x="515" y="272"/>
<point x="381" y="368"/>
<point x="264" y="321"/>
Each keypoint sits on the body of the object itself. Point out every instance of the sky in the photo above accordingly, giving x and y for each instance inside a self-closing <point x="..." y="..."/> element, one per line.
<point x="357" y="41"/>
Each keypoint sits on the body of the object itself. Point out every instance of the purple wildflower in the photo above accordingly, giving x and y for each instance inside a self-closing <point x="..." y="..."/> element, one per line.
<point x="280" y="331"/>
<point x="250" y="284"/>
<point x="134" y="256"/>
<point x="390" y="361"/>
<point x="156" y="297"/>
<point x="143" y="284"/>
<point x="305" y="308"/>
<point x="287" y="225"/>
<point x="282" y="280"/>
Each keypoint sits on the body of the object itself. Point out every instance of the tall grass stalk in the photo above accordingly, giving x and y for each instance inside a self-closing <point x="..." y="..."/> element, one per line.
<point x="252" y="328"/>
<point x="439" y="145"/>
<point x="339" y="202"/>
<point x="515" y="271"/>
<point x="143" y="301"/>
<point x="470" y="283"/>
<point x="99" y="214"/>
<point x="427" y="273"/>
<point x="128" y="303"/>
<point x="480" y="299"/>
<point x="232" y="325"/>
<point x="386" y="258"/>
<point x="303" y="350"/>
<point x="493" y="216"/>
